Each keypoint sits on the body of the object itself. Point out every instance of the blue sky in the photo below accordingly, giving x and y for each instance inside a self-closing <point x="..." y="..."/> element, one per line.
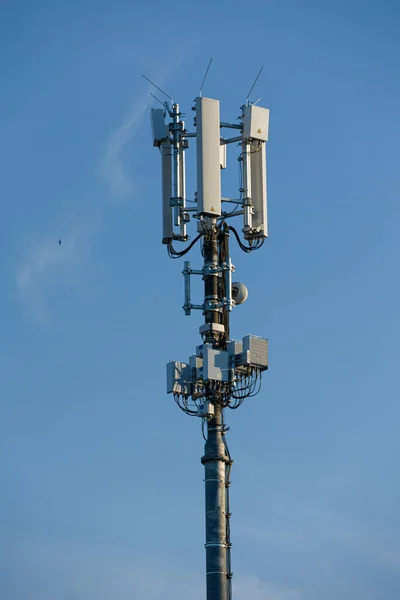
<point x="101" y="481"/>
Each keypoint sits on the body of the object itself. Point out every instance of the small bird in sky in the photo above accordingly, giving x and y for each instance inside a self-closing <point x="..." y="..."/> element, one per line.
<point x="59" y="242"/>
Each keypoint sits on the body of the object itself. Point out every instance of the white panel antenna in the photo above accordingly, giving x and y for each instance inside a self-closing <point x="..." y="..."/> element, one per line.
<point x="255" y="123"/>
<point x="208" y="157"/>
<point x="158" y="126"/>
<point x="169" y="139"/>
<point x="258" y="169"/>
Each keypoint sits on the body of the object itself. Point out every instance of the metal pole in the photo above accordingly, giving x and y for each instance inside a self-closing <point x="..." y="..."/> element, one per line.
<point x="177" y="168"/>
<point x="215" y="460"/>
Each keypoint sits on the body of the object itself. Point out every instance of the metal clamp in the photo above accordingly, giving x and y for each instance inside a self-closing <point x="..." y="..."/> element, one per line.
<point x="209" y="304"/>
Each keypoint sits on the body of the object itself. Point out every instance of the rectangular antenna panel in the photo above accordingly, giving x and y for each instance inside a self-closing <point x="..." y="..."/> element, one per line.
<point x="158" y="127"/>
<point x="166" y="162"/>
<point x="178" y="378"/>
<point x="196" y="364"/>
<point x="258" y="349"/>
<point x="222" y="156"/>
<point x="256" y="123"/>
<point x="258" y="170"/>
<point x="208" y="157"/>
<point x="215" y="365"/>
<point x="234" y="347"/>
<point x="205" y="410"/>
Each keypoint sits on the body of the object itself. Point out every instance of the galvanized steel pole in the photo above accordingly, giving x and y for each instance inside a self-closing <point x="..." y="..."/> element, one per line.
<point x="215" y="460"/>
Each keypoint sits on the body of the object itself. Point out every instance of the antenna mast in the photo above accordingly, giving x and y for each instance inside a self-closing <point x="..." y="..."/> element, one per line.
<point x="221" y="373"/>
<point x="204" y="78"/>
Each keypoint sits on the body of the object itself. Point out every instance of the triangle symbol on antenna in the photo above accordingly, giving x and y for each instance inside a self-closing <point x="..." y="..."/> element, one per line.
<point x="212" y="209"/>
<point x="259" y="130"/>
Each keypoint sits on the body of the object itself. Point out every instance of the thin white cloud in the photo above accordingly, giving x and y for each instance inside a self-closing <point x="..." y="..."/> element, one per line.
<point x="121" y="184"/>
<point x="49" y="265"/>
<point x="112" y="168"/>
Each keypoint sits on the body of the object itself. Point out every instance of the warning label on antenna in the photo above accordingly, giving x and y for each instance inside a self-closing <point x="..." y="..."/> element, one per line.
<point x="212" y="209"/>
<point x="259" y="130"/>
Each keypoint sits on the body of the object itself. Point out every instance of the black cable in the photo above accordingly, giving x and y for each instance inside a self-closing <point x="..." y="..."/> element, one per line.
<point x="239" y="241"/>
<point x="172" y="253"/>
<point x="184" y="408"/>
<point x="247" y="249"/>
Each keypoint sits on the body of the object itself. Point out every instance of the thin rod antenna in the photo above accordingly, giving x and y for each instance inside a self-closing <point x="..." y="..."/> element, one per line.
<point x="156" y="86"/>
<point x="158" y="100"/>
<point x="205" y="77"/>
<point x="255" y="81"/>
